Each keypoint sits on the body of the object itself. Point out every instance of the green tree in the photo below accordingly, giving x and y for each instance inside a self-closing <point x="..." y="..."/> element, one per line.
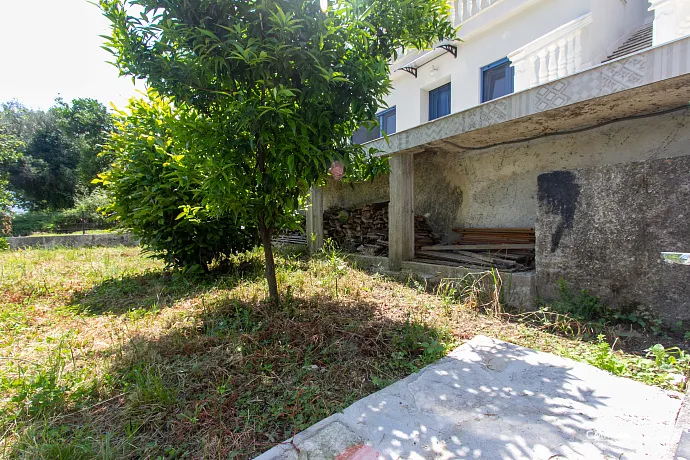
<point x="45" y="176"/>
<point x="19" y="121"/>
<point x="9" y="153"/>
<point x="279" y="85"/>
<point x="86" y="124"/>
<point x="61" y="150"/>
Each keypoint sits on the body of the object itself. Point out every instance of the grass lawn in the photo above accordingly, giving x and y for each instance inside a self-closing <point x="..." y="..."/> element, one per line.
<point x="104" y="354"/>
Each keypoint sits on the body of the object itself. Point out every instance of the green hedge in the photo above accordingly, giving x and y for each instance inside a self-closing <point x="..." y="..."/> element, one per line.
<point x="56" y="222"/>
<point x="67" y="221"/>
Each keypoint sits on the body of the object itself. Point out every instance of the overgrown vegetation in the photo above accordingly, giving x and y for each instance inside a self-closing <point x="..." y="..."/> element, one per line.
<point x="583" y="314"/>
<point x="105" y="354"/>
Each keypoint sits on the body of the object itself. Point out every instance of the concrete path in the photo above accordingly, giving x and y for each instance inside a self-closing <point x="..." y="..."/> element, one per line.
<point x="490" y="399"/>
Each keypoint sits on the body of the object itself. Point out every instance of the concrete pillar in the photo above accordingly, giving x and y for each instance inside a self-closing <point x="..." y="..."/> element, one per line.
<point x="315" y="220"/>
<point x="401" y="210"/>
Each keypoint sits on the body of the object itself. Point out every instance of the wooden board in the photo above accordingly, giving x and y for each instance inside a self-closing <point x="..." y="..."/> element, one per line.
<point x="493" y="230"/>
<point x="477" y="247"/>
<point x="450" y="257"/>
<point x="486" y="258"/>
<point x="434" y="259"/>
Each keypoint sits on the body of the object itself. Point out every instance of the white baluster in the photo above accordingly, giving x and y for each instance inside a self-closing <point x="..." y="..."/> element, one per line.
<point x="578" y="50"/>
<point x="543" y="69"/>
<point x="532" y="69"/>
<point x="570" y="59"/>
<point x="562" y="50"/>
<point x="471" y="7"/>
<point x="462" y="8"/>
<point x="553" y="65"/>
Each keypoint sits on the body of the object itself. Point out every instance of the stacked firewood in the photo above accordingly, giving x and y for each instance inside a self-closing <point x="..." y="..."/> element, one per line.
<point x="508" y="249"/>
<point x="364" y="229"/>
<point x="360" y="229"/>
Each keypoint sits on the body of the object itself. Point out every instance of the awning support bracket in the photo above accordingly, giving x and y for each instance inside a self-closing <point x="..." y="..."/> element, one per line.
<point x="452" y="49"/>
<point x="410" y="70"/>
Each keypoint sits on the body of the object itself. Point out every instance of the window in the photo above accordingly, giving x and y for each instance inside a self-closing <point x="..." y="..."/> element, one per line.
<point x="439" y="102"/>
<point x="497" y="80"/>
<point x="386" y="123"/>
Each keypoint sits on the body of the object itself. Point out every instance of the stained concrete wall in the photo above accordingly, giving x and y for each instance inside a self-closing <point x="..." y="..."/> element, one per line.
<point x="497" y="187"/>
<point x="603" y="229"/>
<point x="348" y="195"/>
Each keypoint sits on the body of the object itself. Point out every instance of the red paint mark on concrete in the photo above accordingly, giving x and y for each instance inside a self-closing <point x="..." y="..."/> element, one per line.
<point x="359" y="452"/>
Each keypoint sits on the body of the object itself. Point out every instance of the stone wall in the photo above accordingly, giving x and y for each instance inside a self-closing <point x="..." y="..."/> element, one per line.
<point x="497" y="187"/>
<point x="72" y="241"/>
<point x="603" y="229"/>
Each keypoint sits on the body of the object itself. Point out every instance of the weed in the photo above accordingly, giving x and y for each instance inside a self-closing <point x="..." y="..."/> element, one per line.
<point x="604" y="358"/>
<point x="584" y="315"/>
<point x="41" y="389"/>
<point x="335" y="259"/>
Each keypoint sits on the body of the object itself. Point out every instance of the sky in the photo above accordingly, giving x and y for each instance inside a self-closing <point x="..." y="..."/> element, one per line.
<point x="51" y="48"/>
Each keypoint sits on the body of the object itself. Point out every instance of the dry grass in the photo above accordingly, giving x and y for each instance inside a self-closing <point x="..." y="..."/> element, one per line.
<point x="104" y="354"/>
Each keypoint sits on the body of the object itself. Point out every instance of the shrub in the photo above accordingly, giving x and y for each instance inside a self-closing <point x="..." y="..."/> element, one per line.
<point x="66" y="221"/>
<point x="32" y="222"/>
<point x="71" y="219"/>
<point x="154" y="188"/>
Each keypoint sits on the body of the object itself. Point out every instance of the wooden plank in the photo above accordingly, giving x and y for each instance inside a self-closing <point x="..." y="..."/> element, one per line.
<point x="451" y="257"/>
<point x="476" y="247"/>
<point x="448" y="263"/>
<point x="485" y="230"/>
<point x="486" y="258"/>
<point x="468" y="266"/>
<point x="507" y="255"/>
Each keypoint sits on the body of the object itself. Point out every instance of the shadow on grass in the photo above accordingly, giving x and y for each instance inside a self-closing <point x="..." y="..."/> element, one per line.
<point x="238" y="379"/>
<point x="244" y="376"/>
<point x="159" y="289"/>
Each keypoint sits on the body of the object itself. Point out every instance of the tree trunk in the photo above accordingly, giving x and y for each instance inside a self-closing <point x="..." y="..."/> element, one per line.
<point x="266" y="234"/>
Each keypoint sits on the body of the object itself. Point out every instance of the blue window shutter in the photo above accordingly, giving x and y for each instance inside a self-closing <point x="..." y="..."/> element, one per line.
<point x="439" y="102"/>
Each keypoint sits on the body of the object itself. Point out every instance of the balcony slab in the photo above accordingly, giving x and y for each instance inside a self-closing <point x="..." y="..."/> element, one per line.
<point x="651" y="81"/>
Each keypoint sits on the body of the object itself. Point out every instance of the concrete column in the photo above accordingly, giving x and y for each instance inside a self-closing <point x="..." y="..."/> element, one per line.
<point x="315" y="220"/>
<point x="401" y="210"/>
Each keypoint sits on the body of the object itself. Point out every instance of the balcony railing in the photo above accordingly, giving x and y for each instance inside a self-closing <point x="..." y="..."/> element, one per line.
<point x="671" y="20"/>
<point x="464" y="9"/>
<point x="555" y="55"/>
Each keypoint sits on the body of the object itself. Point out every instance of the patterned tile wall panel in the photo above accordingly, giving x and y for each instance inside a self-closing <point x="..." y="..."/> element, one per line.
<point x="660" y="63"/>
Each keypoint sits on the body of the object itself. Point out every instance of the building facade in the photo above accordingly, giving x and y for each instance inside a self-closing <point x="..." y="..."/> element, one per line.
<point x="530" y="87"/>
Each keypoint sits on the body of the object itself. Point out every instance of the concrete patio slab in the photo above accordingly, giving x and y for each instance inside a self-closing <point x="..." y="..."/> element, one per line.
<point x="490" y="399"/>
